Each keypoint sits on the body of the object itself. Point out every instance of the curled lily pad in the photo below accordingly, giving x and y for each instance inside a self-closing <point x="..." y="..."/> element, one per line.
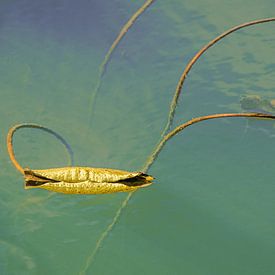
<point x="85" y="180"/>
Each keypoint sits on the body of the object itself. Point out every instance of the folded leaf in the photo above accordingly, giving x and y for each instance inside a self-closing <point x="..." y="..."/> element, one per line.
<point x="85" y="180"/>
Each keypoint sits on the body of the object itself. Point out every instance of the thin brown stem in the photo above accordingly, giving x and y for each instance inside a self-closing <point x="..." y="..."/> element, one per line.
<point x="36" y="126"/>
<point x="181" y="127"/>
<point x="195" y="59"/>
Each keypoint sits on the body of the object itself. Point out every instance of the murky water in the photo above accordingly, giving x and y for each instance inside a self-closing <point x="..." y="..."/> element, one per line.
<point x="211" y="210"/>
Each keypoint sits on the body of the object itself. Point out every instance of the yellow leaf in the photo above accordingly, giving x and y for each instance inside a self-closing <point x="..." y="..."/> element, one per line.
<point x="85" y="180"/>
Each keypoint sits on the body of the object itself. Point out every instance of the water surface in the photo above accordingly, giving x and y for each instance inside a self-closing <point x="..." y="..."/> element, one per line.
<point x="211" y="210"/>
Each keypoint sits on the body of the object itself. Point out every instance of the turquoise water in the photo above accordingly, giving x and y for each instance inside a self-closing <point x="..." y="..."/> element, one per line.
<point x="211" y="210"/>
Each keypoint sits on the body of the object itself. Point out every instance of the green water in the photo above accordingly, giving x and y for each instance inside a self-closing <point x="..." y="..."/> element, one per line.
<point x="211" y="210"/>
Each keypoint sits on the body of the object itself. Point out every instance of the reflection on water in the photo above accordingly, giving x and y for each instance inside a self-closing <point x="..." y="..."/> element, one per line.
<point x="211" y="210"/>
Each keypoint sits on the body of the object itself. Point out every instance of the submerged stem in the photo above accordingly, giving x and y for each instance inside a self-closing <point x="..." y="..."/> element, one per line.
<point x="148" y="164"/>
<point x="107" y="58"/>
<point x="104" y="234"/>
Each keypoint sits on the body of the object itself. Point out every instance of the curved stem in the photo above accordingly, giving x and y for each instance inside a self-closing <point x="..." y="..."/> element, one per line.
<point x="181" y="127"/>
<point x="36" y="126"/>
<point x="195" y="59"/>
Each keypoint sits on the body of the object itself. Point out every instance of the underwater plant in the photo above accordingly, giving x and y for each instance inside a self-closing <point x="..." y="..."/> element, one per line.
<point x="86" y="180"/>
<point x="168" y="136"/>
